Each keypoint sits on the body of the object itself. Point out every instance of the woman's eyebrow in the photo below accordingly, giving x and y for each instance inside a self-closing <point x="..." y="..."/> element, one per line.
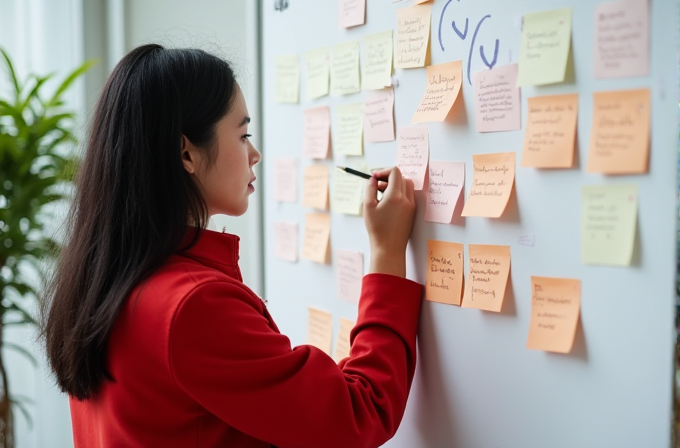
<point x="246" y="120"/>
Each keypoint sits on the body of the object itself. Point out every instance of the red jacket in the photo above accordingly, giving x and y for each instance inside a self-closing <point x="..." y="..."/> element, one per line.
<point x="199" y="362"/>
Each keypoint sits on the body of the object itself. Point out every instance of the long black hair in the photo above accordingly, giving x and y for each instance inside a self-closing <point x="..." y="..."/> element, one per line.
<point x="133" y="199"/>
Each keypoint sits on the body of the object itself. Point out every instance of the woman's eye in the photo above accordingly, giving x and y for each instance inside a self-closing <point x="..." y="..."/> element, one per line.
<point x="246" y="136"/>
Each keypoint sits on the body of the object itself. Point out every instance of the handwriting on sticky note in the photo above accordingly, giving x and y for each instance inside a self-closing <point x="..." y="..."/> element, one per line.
<point x="555" y="308"/>
<point x="345" y="69"/>
<point x="413" y="36"/>
<point x="619" y="139"/>
<point x="348" y="191"/>
<point x="488" y="272"/>
<point x="551" y="131"/>
<point x="318" y="72"/>
<point x="498" y="101"/>
<point x="608" y="221"/>
<point x="376" y="63"/>
<point x="287" y="79"/>
<point x="443" y="85"/>
<point x="444" y="279"/>
<point x="544" y="51"/>
<point x="316" y="238"/>
<point x="315" y="187"/>
<point x="286" y="240"/>
<point x="413" y="150"/>
<point x="348" y="137"/>
<point x="349" y="272"/>
<point x="494" y="175"/>
<point x="379" y="116"/>
<point x="351" y="13"/>
<point x="317" y="133"/>
<point x="285" y="180"/>
<point x="342" y="343"/>
<point x="621" y="39"/>
<point x="320" y="329"/>
<point x="446" y="183"/>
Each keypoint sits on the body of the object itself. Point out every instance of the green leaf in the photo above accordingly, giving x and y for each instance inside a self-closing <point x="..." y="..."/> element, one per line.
<point x="68" y="81"/>
<point x="12" y="73"/>
<point x="18" y="401"/>
<point x="19" y="349"/>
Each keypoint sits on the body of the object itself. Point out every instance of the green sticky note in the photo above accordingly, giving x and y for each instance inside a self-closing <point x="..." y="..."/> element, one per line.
<point x="608" y="220"/>
<point x="348" y="129"/>
<point x="347" y="192"/>
<point x="544" y="51"/>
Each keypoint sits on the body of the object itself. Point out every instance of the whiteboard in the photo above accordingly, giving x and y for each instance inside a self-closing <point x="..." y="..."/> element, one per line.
<point x="476" y="384"/>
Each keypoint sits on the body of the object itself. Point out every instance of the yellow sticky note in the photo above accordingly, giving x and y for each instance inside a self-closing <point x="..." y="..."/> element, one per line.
<point x="413" y="36"/>
<point x="320" y="329"/>
<point x="315" y="187"/>
<point x="608" y="221"/>
<point x="551" y="131"/>
<point x="342" y="343"/>
<point x="544" y="50"/>
<point x="287" y="79"/>
<point x="376" y="64"/>
<point x="619" y="139"/>
<point x="317" y="237"/>
<point x="555" y="308"/>
<point x="345" y="69"/>
<point x="318" y="67"/>
<point x="494" y="175"/>
<point x="443" y="85"/>
<point x="488" y="271"/>
<point x="348" y="135"/>
<point x="348" y="191"/>
<point x="444" y="280"/>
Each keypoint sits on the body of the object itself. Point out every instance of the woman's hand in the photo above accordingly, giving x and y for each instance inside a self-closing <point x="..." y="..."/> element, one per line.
<point x="389" y="221"/>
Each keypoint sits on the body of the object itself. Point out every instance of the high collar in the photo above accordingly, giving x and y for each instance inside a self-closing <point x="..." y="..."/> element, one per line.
<point x="212" y="247"/>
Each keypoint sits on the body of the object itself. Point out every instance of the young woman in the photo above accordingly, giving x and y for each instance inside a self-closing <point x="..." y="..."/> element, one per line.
<point x="148" y="325"/>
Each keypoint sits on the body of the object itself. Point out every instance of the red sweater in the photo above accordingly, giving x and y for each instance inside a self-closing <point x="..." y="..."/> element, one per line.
<point x="199" y="362"/>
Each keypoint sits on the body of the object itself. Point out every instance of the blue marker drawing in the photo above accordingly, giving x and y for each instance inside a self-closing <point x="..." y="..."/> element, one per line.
<point x="441" y="19"/>
<point x="455" y="28"/>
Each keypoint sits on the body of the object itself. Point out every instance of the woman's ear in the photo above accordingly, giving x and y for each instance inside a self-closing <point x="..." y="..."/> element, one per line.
<point x="190" y="156"/>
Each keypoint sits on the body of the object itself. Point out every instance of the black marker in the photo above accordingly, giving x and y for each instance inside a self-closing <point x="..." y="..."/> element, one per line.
<point x="355" y="172"/>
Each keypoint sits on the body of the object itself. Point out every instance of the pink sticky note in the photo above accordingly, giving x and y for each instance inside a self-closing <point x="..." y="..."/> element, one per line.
<point x="351" y="13"/>
<point x="446" y="183"/>
<point x="379" y="116"/>
<point x="349" y="271"/>
<point x="285" y="180"/>
<point x="412" y="153"/>
<point x="286" y="240"/>
<point x="317" y="135"/>
<point x="498" y="102"/>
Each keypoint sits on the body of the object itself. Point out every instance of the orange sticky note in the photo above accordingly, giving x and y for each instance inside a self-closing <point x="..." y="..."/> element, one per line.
<point x="555" y="307"/>
<point x="551" y="131"/>
<point x="444" y="282"/>
<point x="413" y="36"/>
<point x="494" y="175"/>
<point x="286" y="240"/>
<point x="413" y="153"/>
<point x="317" y="237"/>
<point x="342" y="343"/>
<point x="619" y="140"/>
<point x="320" y="329"/>
<point x="443" y="85"/>
<point x="285" y="180"/>
<point x="488" y="271"/>
<point x="317" y="133"/>
<point x="315" y="187"/>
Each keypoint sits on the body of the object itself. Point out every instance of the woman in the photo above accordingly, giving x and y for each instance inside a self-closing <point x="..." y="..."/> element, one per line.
<point x="148" y="326"/>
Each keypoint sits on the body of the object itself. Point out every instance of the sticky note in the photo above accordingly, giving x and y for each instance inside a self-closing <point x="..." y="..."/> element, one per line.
<point x="608" y="221"/>
<point x="413" y="152"/>
<point x="348" y="191"/>
<point x="348" y="132"/>
<point x="345" y="69"/>
<point x="413" y="36"/>
<point x="544" y="50"/>
<point x="494" y="175"/>
<point x="550" y="131"/>
<point x="342" y="343"/>
<point x="349" y="272"/>
<point x="318" y="66"/>
<point x="286" y="240"/>
<point x="317" y="133"/>
<point x="317" y="237"/>
<point x="488" y="271"/>
<point x="351" y="13"/>
<point x="498" y="100"/>
<point x="621" y="47"/>
<point x="315" y="187"/>
<point x="379" y="116"/>
<point x="444" y="279"/>
<point x="287" y="79"/>
<point x="320" y="329"/>
<point x="446" y="183"/>
<point x="443" y="85"/>
<point x="376" y="62"/>
<point x="285" y="180"/>
<point x="555" y="308"/>
<point x="619" y="138"/>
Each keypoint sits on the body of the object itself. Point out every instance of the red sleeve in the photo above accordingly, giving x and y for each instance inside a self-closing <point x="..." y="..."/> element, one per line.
<point x="226" y="356"/>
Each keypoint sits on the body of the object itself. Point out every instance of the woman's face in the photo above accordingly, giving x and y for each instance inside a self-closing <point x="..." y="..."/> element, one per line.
<point x="228" y="182"/>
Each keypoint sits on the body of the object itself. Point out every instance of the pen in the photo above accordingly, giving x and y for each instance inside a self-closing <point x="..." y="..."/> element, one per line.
<point x="355" y="172"/>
